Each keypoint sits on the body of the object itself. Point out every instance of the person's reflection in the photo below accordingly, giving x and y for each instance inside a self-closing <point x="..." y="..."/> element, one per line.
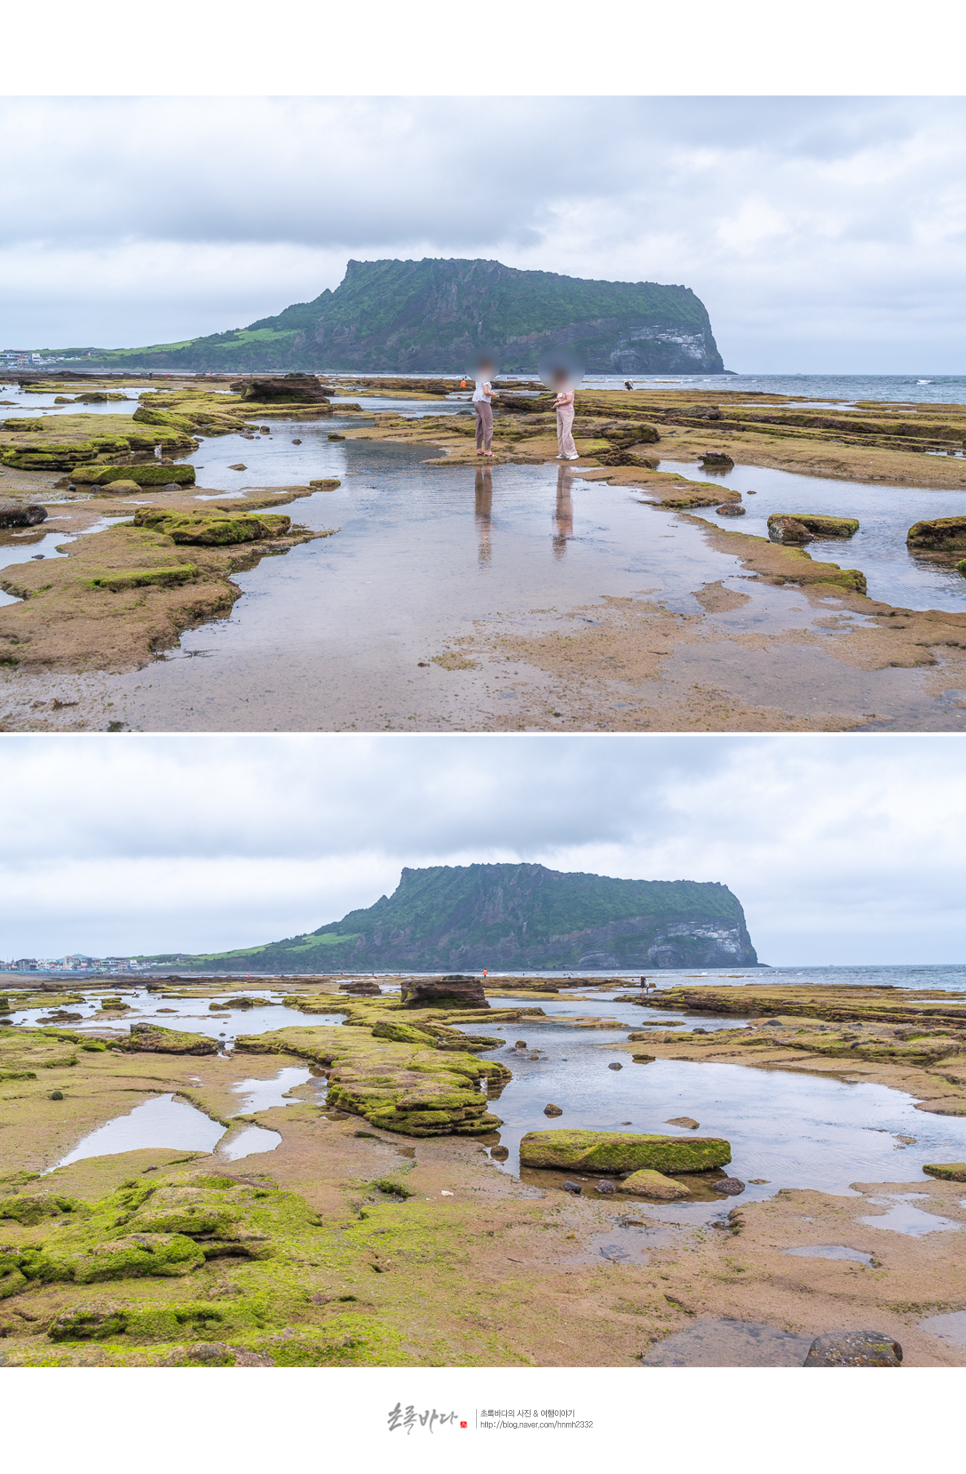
<point x="484" y="510"/>
<point x="563" y="517"/>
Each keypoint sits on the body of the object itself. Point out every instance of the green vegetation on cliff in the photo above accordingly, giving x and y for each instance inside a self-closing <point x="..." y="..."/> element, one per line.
<point x="451" y="917"/>
<point x="436" y="315"/>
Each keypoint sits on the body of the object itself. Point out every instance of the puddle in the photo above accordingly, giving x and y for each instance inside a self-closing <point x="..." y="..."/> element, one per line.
<point x="903" y="1217"/>
<point x="261" y="1095"/>
<point x="878" y="548"/>
<point x="729" y="1343"/>
<point x="162" y="1122"/>
<point x="951" y="1327"/>
<point x="248" y="1142"/>
<point x="831" y="1251"/>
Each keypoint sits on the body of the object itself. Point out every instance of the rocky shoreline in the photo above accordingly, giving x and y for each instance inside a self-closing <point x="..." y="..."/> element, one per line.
<point x="622" y="664"/>
<point x="384" y="1193"/>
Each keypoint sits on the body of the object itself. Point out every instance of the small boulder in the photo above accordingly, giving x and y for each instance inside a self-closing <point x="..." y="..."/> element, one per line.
<point x="614" y="1065"/>
<point x="606" y="1187"/>
<point x="335" y="437"/>
<point x="239" y="466"/>
<point x="14" y="515"/>
<point x="552" y="1110"/>
<point x="854" y="1349"/>
<point x="520" y="1044"/>
<point x="688" y="1121"/>
<point x="123" y="488"/>
<point x="730" y="1185"/>
<point x="655" y="1185"/>
<point x="785" y="529"/>
<point x="730" y="509"/>
<point x="296" y="442"/>
<point x="716" y="459"/>
<point x="573" y="1187"/>
<point x="499" y="1153"/>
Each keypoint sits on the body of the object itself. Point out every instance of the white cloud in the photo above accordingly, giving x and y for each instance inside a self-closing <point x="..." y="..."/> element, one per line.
<point x="842" y="849"/>
<point x="823" y="234"/>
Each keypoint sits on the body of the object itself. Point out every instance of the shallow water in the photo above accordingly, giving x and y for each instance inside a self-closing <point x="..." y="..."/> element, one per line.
<point x="792" y="1128"/>
<point x="191" y="1014"/>
<point x="902" y="1216"/>
<point x="332" y="635"/>
<point x="22" y="545"/>
<point x="831" y="1251"/>
<point x="729" y="1343"/>
<point x="262" y="1095"/>
<point x="162" y="1122"/>
<point x="951" y="1327"/>
<point x="879" y="549"/>
<point x="249" y="1142"/>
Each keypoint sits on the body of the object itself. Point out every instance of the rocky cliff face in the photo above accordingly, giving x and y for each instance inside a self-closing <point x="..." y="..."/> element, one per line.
<point x="435" y="316"/>
<point x="465" y="918"/>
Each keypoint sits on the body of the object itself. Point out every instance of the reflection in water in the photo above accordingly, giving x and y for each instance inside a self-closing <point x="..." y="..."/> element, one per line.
<point x="484" y="512"/>
<point x="563" y="516"/>
<point x="162" y="1122"/>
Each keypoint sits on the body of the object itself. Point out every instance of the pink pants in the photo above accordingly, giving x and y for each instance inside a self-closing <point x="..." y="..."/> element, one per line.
<point x="484" y="424"/>
<point x="565" y="439"/>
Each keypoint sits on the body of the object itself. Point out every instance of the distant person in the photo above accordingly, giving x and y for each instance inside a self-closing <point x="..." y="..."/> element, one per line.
<point x="482" y="394"/>
<point x="564" y="405"/>
<point x="628" y="384"/>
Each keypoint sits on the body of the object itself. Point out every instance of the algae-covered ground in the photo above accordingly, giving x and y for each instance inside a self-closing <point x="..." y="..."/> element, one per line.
<point x="380" y="1231"/>
<point x="125" y="593"/>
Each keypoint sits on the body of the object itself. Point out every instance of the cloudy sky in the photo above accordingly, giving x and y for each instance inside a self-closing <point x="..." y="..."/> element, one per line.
<point x="824" y="235"/>
<point x="841" y="849"/>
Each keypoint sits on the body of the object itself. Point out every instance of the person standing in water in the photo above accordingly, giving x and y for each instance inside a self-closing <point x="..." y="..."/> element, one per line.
<point x="482" y="395"/>
<point x="564" y="405"/>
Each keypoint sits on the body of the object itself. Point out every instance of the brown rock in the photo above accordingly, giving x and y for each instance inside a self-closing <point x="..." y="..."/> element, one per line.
<point x="854" y="1349"/>
<point x="14" y="515"/>
<point x="457" y="990"/>
<point x="730" y="1185"/>
<point x="688" y="1121"/>
<point x="552" y="1110"/>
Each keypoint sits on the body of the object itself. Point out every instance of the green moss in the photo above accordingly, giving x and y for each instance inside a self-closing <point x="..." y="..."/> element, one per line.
<point x="400" y="1086"/>
<point x="942" y="534"/>
<point x="212" y="528"/>
<point x="152" y="1039"/>
<point x="948" y="1171"/>
<point x="117" y="580"/>
<point x="615" y="1151"/>
<point x="150" y="474"/>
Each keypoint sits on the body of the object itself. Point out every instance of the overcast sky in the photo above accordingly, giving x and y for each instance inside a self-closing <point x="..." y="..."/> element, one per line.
<point x="841" y="849"/>
<point x="824" y="235"/>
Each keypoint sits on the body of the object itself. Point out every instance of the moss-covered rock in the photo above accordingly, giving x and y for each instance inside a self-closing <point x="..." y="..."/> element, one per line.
<point x="401" y="1086"/>
<point x="648" y="1184"/>
<point x="152" y="473"/>
<point x="942" y="534"/>
<point x="117" y="580"/>
<point x="948" y="1171"/>
<point x="213" y="528"/>
<point x="152" y="1039"/>
<point x="30" y="1208"/>
<point x="616" y="1151"/>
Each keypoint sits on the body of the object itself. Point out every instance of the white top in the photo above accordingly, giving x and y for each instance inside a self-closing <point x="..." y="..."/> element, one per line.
<point x="479" y="393"/>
